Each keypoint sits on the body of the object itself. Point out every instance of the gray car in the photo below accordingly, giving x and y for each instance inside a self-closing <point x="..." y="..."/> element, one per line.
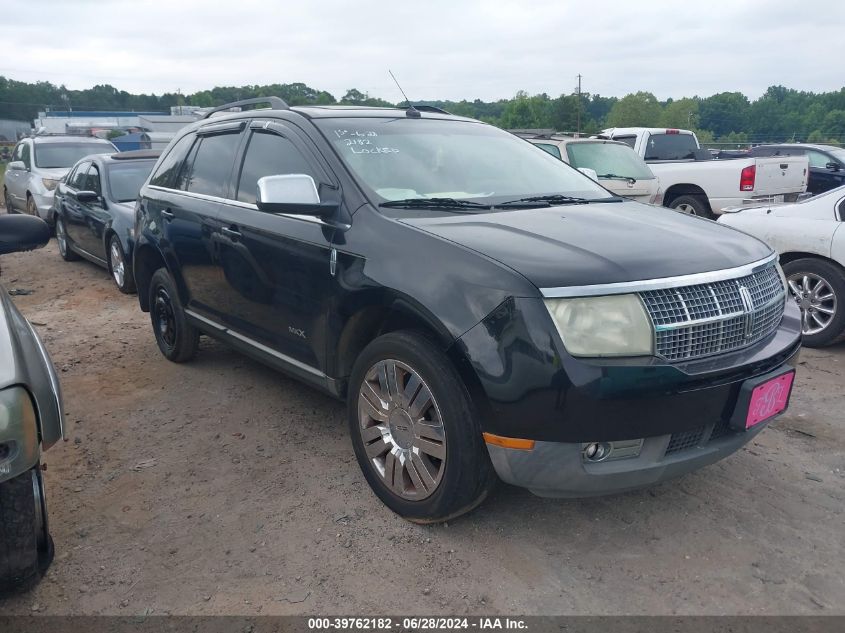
<point x="38" y="164"/>
<point x="30" y="423"/>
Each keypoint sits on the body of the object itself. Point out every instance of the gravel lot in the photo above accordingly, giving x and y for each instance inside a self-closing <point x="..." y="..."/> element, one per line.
<point x="222" y="487"/>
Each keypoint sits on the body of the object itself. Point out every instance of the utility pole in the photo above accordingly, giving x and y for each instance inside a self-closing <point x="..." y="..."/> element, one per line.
<point x="578" y="109"/>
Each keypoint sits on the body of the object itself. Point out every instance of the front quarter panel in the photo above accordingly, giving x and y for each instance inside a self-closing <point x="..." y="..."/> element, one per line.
<point x="26" y="363"/>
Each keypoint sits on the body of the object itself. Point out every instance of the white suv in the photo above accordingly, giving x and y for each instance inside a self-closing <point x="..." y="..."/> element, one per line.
<point x="38" y="164"/>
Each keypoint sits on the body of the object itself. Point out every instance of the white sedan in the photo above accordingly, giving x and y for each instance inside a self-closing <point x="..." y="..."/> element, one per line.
<point x="810" y="237"/>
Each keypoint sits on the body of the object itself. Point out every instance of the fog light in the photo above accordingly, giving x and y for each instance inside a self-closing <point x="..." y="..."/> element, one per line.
<point x="6" y="450"/>
<point x="596" y="451"/>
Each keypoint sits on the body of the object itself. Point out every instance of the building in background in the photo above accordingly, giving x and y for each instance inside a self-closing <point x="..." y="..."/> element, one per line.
<point x="11" y="130"/>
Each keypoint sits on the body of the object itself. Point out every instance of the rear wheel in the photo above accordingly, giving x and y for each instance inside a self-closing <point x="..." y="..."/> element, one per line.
<point x="62" y="240"/>
<point x="818" y="287"/>
<point x="120" y="270"/>
<point x="177" y="339"/>
<point x="693" y="205"/>
<point x="26" y="549"/>
<point x="415" y="431"/>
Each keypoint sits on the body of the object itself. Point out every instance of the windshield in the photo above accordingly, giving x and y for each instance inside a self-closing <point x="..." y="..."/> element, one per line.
<point x="125" y="180"/>
<point x="64" y="155"/>
<point x="839" y="154"/>
<point x="609" y="160"/>
<point x="403" y="158"/>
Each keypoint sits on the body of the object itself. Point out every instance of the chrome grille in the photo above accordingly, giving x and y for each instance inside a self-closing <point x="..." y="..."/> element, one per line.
<point x="695" y="321"/>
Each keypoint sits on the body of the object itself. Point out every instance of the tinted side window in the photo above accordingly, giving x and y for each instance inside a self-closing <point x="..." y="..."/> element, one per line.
<point x="18" y="153"/>
<point x="817" y="159"/>
<point x="169" y="166"/>
<point x="628" y="140"/>
<point x="269" y="154"/>
<point x="670" y="147"/>
<point x="551" y="149"/>
<point x="212" y="165"/>
<point x="80" y="177"/>
<point x="92" y="181"/>
<point x="25" y="154"/>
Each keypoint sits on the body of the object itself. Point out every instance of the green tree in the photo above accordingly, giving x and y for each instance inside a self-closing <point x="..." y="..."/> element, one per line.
<point x="635" y="110"/>
<point x="834" y="125"/>
<point x="682" y="113"/>
<point x="527" y="112"/>
<point x="724" y="113"/>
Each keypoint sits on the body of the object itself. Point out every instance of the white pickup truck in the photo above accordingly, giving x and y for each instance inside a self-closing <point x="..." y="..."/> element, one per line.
<point x="692" y="180"/>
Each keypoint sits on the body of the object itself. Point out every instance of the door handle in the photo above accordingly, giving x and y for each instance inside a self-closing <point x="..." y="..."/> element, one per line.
<point x="233" y="233"/>
<point x="167" y="215"/>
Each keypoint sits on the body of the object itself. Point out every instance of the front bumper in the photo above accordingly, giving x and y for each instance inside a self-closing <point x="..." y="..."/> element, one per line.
<point x="530" y="388"/>
<point x="44" y="204"/>
<point x="558" y="469"/>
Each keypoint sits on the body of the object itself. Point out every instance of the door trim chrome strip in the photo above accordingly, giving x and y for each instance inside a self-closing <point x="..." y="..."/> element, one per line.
<point x="658" y="284"/>
<point x="259" y="346"/>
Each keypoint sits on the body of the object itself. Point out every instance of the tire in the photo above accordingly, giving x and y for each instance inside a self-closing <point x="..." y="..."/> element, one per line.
<point x="692" y="205"/>
<point x="392" y="463"/>
<point x="177" y="339"/>
<point x="26" y="549"/>
<point x="119" y="269"/>
<point x="828" y="280"/>
<point x="7" y="201"/>
<point x="31" y="209"/>
<point x="65" y="249"/>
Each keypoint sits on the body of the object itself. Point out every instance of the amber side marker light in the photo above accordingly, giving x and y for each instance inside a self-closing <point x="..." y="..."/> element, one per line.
<point x="509" y="442"/>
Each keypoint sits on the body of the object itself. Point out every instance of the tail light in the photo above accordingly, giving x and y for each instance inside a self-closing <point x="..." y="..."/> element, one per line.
<point x="746" y="178"/>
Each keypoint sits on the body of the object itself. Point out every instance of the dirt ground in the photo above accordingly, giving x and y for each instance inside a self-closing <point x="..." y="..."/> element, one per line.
<point x="223" y="487"/>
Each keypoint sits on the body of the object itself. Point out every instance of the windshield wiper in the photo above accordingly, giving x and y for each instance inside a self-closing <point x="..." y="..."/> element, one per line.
<point x="544" y="201"/>
<point x="433" y="203"/>
<point x="633" y="181"/>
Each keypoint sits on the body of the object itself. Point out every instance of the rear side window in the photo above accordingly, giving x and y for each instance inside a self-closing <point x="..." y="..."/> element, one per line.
<point x="628" y="140"/>
<point x="551" y="149"/>
<point x="169" y="166"/>
<point x="269" y="154"/>
<point x="211" y="167"/>
<point x="670" y="147"/>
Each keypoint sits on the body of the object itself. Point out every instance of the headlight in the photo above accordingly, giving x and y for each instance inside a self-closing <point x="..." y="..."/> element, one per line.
<point x="16" y="411"/>
<point x="50" y="183"/>
<point x="615" y="325"/>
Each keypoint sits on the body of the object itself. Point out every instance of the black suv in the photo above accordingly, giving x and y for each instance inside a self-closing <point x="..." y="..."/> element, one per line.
<point x="483" y="308"/>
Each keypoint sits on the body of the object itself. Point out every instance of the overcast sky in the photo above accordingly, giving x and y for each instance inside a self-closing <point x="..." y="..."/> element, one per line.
<point x="438" y="49"/>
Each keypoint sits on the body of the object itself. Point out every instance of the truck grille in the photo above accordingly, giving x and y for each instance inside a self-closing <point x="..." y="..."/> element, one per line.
<point x="695" y="321"/>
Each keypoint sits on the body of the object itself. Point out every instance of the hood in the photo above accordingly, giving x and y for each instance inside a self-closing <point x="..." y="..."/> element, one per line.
<point x="54" y="173"/>
<point x="598" y="243"/>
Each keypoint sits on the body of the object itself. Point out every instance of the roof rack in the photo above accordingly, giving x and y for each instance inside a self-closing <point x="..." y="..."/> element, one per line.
<point x="275" y="104"/>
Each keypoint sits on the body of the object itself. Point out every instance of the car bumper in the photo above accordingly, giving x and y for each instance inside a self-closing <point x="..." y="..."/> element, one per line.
<point x="559" y="469"/>
<point x="44" y="204"/>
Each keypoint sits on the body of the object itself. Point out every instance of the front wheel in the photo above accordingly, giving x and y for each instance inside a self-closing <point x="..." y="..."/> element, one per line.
<point x="818" y="287"/>
<point x="415" y="431"/>
<point x="26" y="549"/>
<point x="31" y="209"/>
<point x="120" y="270"/>
<point x="177" y="339"/>
<point x="7" y="201"/>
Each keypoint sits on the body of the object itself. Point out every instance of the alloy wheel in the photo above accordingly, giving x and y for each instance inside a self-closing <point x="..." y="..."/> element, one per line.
<point x="118" y="267"/>
<point x="686" y="208"/>
<point x="402" y="429"/>
<point x="31" y="209"/>
<point x="61" y="236"/>
<point x="40" y="508"/>
<point x="815" y="298"/>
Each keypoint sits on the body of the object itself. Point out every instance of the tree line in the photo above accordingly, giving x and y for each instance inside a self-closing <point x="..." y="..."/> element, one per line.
<point x="780" y="114"/>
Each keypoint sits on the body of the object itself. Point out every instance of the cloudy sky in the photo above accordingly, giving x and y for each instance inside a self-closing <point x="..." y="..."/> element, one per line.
<point x="439" y="49"/>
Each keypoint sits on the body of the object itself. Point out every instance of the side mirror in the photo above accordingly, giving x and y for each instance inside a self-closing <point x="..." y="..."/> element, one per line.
<point x="87" y="196"/>
<point x="589" y="173"/>
<point x="22" y="233"/>
<point x="292" y="193"/>
<point x="16" y="165"/>
<point x="833" y="166"/>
